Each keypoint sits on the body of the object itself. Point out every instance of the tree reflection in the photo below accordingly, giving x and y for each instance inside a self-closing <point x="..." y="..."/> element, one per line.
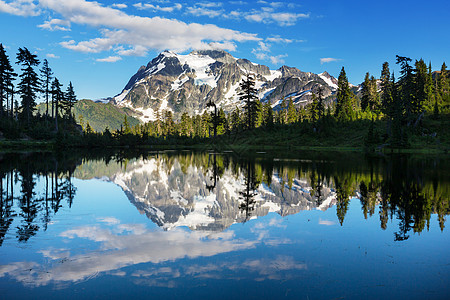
<point x="34" y="209"/>
<point x="247" y="195"/>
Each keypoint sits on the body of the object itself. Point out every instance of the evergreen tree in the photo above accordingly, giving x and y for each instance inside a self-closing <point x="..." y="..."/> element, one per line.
<point x="7" y="76"/>
<point x="386" y="90"/>
<point x="444" y="85"/>
<point x="314" y="108"/>
<point x="70" y="99"/>
<point x="365" y="91"/>
<point x="235" y="120"/>
<point x="46" y="79"/>
<point x="268" y="115"/>
<point x="420" y="80"/>
<point x="291" y="112"/>
<point x="29" y="83"/>
<point x="344" y="109"/>
<point x="429" y="90"/>
<point x="406" y="86"/>
<point x="320" y="104"/>
<point x="248" y="95"/>
<point x="57" y="98"/>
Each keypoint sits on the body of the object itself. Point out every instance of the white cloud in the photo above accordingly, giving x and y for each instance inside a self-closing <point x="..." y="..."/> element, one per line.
<point x="118" y="29"/>
<point x="328" y="60"/>
<point x="326" y="222"/>
<point x="204" y="11"/>
<point x="267" y="15"/>
<point x="118" y="248"/>
<point x="56" y="24"/>
<point x="51" y="55"/>
<point x="263" y="53"/>
<point x="142" y="6"/>
<point x="20" y="8"/>
<point x="109" y="59"/>
<point x="210" y="4"/>
<point x="278" y="60"/>
<point x="120" y="5"/>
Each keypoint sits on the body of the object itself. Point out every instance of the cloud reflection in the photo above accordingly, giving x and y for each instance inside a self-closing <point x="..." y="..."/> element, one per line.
<point x="121" y="245"/>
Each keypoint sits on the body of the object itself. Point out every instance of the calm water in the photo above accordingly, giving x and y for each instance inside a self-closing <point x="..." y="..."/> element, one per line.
<point x="218" y="226"/>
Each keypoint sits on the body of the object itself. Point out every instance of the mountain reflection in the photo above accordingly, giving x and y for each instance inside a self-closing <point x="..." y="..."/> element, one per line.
<point x="208" y="192"/>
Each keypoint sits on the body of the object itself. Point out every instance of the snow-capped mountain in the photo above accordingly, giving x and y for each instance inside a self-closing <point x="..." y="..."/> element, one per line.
<point x="172" y="195"/>
<point x="185" y="83"/>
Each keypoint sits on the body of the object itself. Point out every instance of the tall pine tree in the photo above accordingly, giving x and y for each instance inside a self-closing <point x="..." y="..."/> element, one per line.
<point x="29" y="84"/>
<point x="248" y="95"/>
<point x="344" y="107"/>
<point x="7" y="77"/>
<point x="46" y="79"/>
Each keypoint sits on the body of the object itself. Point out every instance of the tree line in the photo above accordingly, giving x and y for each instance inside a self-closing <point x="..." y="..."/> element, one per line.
<point x="400" y="103"/>
<point x="17" y="117"/>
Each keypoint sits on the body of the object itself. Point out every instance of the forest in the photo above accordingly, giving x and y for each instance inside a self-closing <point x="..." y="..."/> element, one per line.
<point x="410" y="111"/>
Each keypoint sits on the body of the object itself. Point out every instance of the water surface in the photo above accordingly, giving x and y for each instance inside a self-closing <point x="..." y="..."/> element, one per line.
<point x="168" y="225"/>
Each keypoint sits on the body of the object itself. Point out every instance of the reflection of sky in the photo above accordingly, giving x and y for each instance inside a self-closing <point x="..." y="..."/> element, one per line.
<point x="120" y="245"/>
<point x="103" y="239"/>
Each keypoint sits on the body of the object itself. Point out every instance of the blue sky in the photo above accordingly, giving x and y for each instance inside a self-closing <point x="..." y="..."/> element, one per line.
<point x="100" y="45"/>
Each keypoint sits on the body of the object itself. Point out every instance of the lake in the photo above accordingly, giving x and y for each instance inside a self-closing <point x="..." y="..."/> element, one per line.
<point x="170" y="225"/>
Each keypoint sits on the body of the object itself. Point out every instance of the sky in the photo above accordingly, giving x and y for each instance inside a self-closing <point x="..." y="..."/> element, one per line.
<point x="99" y="45"/>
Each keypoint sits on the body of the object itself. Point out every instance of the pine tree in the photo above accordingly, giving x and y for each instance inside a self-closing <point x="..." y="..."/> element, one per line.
<point x="344" y="109"/>
<point x="386" y="90"/>
<point x="291" y="112"/>
<point x="7" y="77"/>
<point x="268" y="115"/>
<point x="444" y="85"/>
<point x="365" y="91"/>
<point x="406" y="86"/>
<point x="46" y="75"/>
<point x="429" y="90"/>
<point x="57" y="98"/>
<point x="248" y="95"/>
<point x="70" y="99"/>
<point x="420" y="80"/>
<point x="29" y="84"/>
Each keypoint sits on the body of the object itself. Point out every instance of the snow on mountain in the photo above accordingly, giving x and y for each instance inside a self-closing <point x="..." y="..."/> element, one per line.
<point x="185" y="83"/>
<point x="172" y="196"/>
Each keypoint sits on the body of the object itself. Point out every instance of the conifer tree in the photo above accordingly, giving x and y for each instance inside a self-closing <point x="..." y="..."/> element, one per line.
<point x="291" y="112"/>
<point x="344" y="109"/>
<point x="420" y="80"/>
<point x="29" y="83"/>
<point x="7" y="76"/>
<point x="429" y="89"/>
<point x="406" y="87"/>
<point x="70" y="99"/>
<point x="268" y="115"/>
<point x="46" y="75"/>
<point x="248" y="95"/>
<point x="57" y="98"/>
<point x="386" y="90"/>
<point x="444" y="85"/>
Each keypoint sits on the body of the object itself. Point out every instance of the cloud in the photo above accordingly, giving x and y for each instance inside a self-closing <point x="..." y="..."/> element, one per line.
<point x="109" y="59"/>
<point x="119" y="248"/>
<point x="268" y="15"/>
<point x="325" y="60"/>
<point x="326" y="222"/>
<point x="142" y="6"/>
<point x="263" y="53"/>
<point x="23" y="8"/>
<point x="56" y="24"/>
<point x="120" y="5"/>
<point x="120" y="31"/>
<point x="204" y="11"/>
<point x="51" y="55"/>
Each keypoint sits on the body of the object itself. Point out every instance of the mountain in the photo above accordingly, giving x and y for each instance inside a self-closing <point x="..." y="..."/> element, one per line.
<point x="173" y="193"/>
<point x="185" y="83"/>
